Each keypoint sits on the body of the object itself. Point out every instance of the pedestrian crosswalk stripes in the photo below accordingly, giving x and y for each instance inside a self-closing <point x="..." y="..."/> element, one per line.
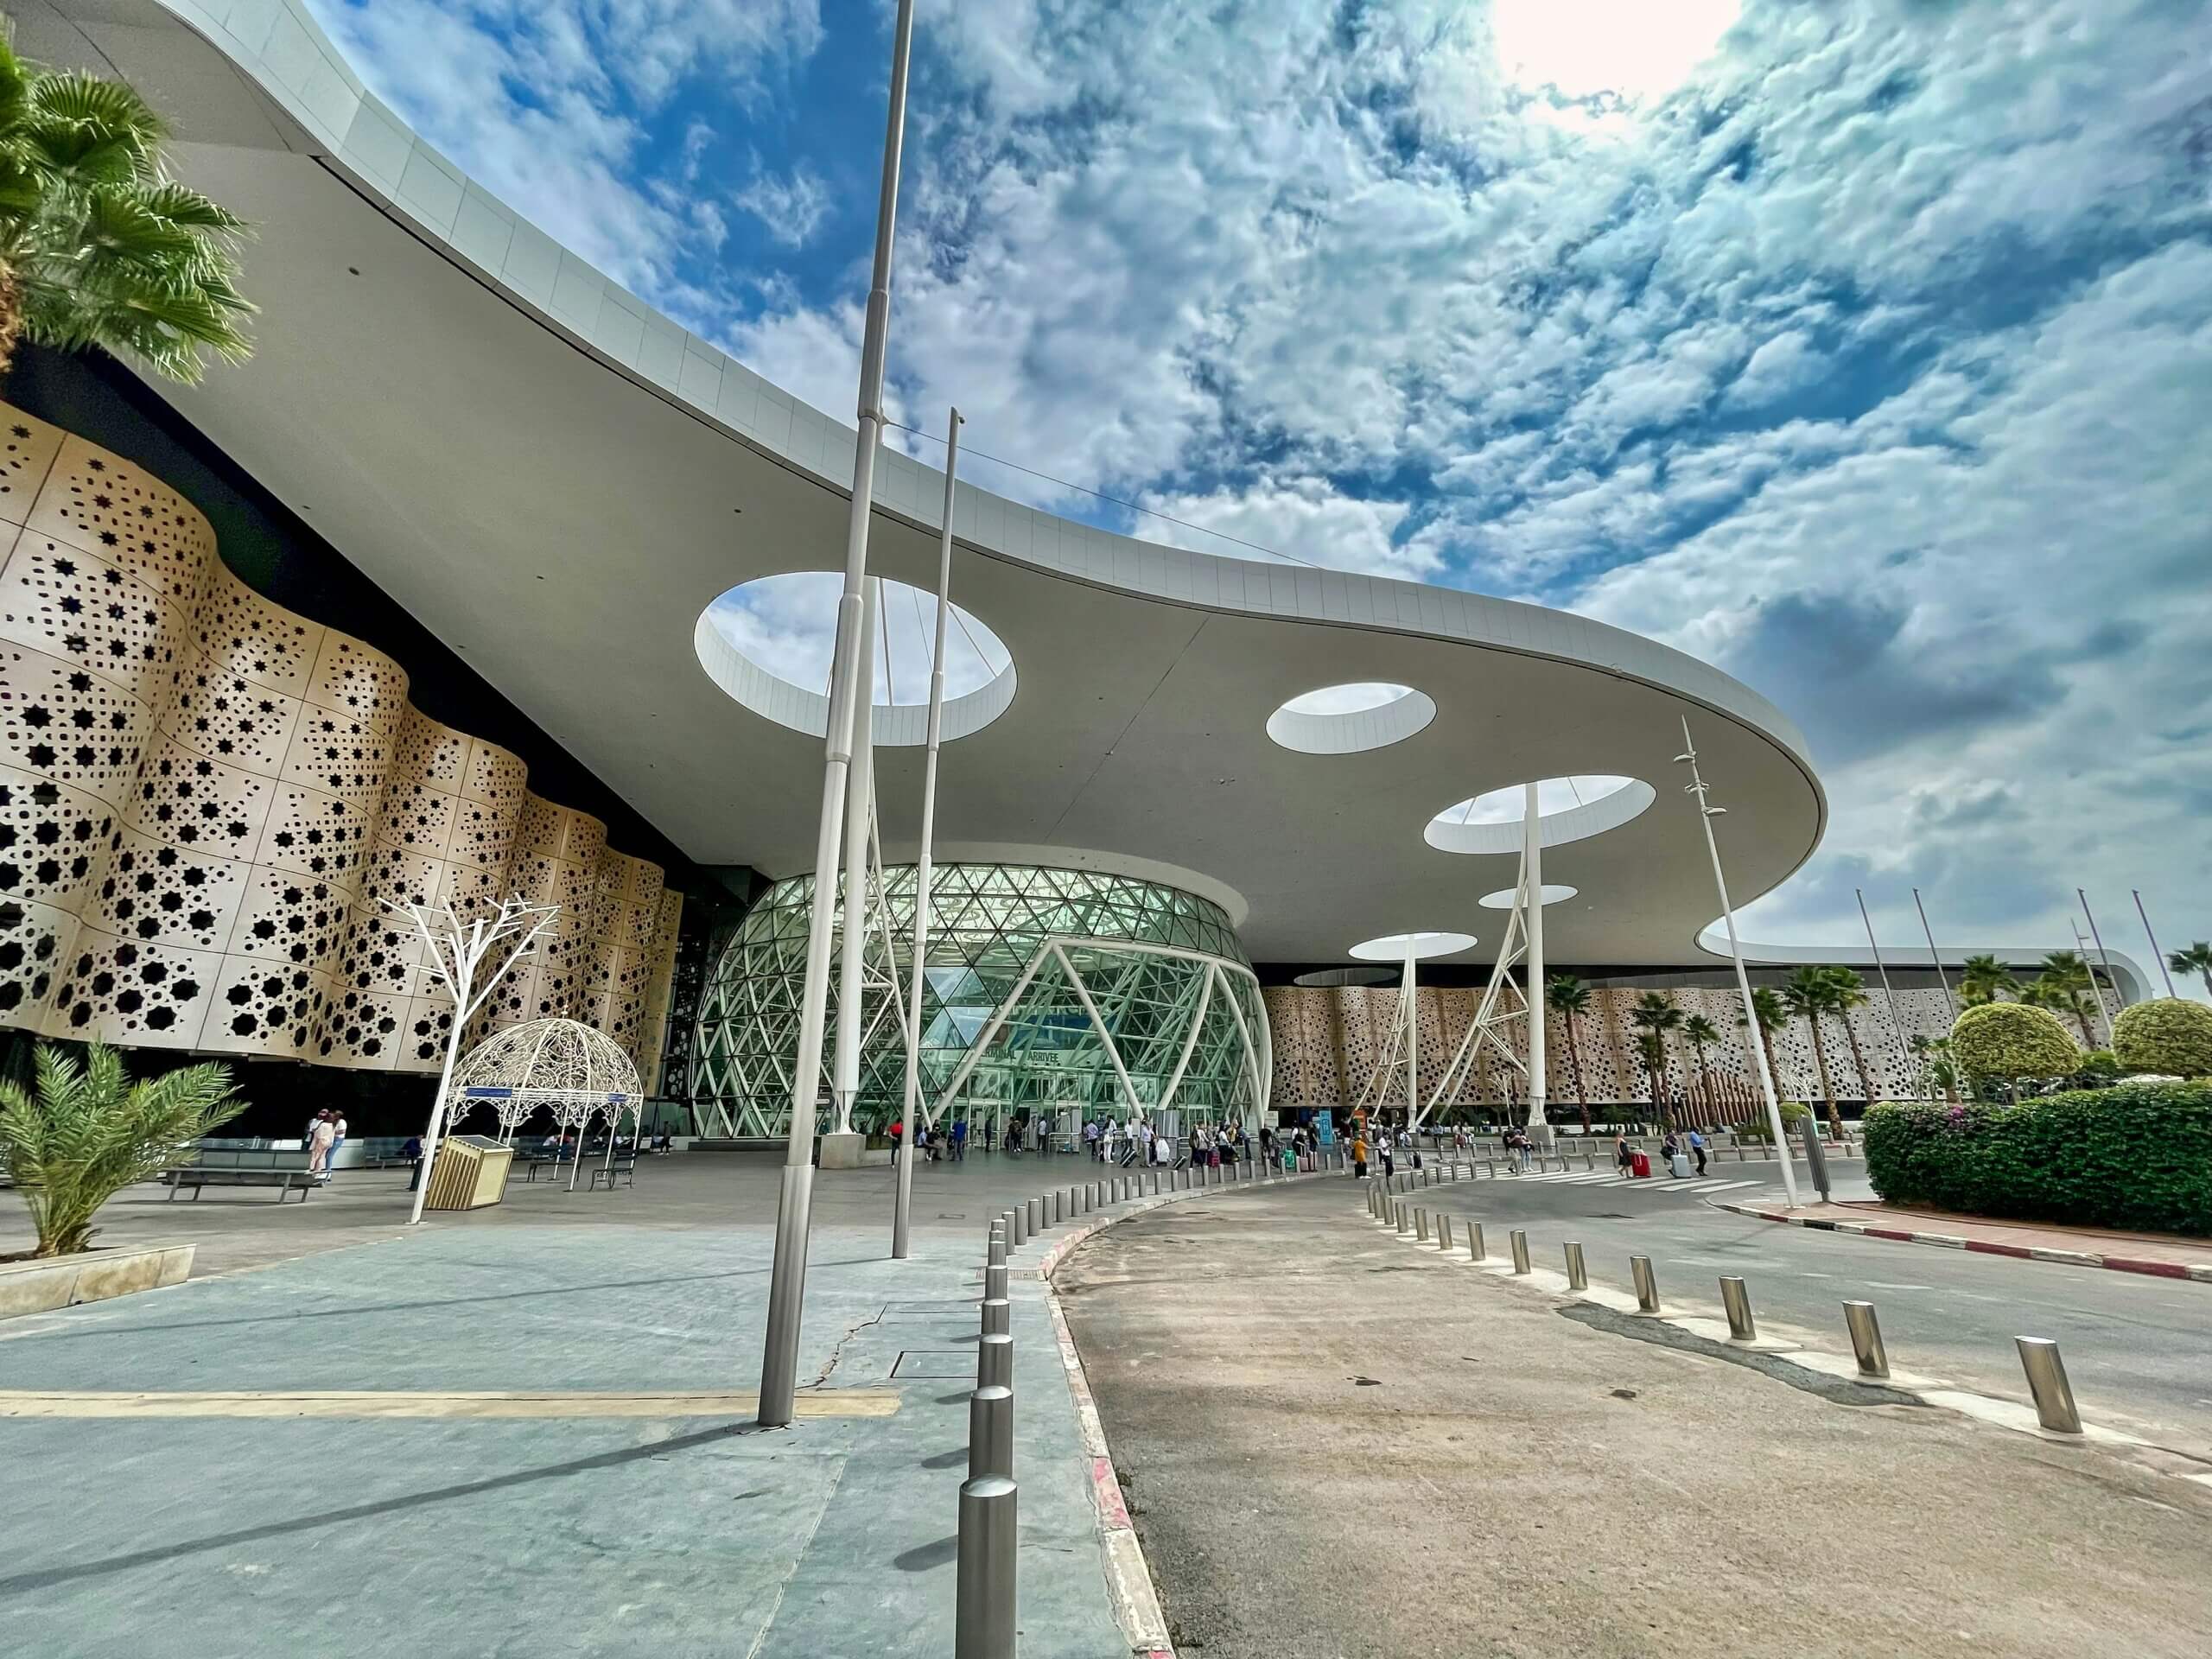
<point x="1604" y="1179"/>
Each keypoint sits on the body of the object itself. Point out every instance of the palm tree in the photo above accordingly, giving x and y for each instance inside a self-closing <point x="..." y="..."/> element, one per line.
<point x="1809" y="993"/>
<point x="1567" y="997"/>
<point x="2198" y="960"/>
<point x="87" y="1132"/>
<point x="1772" y="1014"/>
<point x="1652" y="1048"/>
<point x="1850" y="992"/>
<point x="1937" y="1069"/>
<point x="1656" y="1014"/>
<point x="1984" y="979"/>
<point x="2065" y="978"/>
<point x="1700" y="1034"/>
<point x="98" y="245"/>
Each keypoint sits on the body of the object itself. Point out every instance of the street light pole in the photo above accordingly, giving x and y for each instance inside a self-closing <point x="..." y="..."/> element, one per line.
<point x="1532" y="933"/>
<point x="1951" y="1009"/>
<point x="2103" y="960"/>
<point x="903" y="1205"/>
<point x="787" y="1278"/>
<point x="1706" y="814"/>
<point x="2145" y="918"/>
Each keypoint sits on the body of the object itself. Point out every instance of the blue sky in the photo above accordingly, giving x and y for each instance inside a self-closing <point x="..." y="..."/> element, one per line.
<point x="1863" y="349"/>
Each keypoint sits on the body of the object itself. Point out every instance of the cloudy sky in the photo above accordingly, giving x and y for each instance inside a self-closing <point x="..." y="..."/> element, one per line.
<point x="1862" y="349"/>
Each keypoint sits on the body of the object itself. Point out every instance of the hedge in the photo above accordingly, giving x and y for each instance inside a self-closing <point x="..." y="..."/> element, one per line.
<point x="2136" y="1156"/>
<point x="2006" y="1041"/>
<point x="2167" y="1036"/>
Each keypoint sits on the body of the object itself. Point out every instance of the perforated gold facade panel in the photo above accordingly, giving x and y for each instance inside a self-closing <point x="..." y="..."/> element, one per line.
<point x="203" y="797"/>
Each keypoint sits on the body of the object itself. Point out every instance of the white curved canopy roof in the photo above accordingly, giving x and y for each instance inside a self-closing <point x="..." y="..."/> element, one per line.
<point x="528" y="457"/>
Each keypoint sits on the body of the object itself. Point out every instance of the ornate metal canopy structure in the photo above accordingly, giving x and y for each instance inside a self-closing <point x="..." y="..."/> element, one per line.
<point x="572" y="1069"/>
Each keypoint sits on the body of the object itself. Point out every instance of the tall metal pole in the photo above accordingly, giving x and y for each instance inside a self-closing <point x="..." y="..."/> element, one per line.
<point x="2143" y="916"/>
<point x="1704" y="816"/>
<point x="787" y="1278"/>
<point x="1897" y="1026"/>
<point x="2097" y="939"/>
<point x="903" y="1205"/>
<point x="1950" y="1008"/>
<point x="1413" y="1043"/>
<point x="1532" y="930"/>
<point x="2081" y="947"/>
<point x="852" y="952"/>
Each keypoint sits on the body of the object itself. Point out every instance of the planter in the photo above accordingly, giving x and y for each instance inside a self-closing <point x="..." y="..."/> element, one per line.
<point x="93" y="1276"/>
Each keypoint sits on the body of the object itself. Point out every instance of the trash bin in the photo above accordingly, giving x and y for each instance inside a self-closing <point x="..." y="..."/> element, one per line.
<point x="1681" y="1165"/>
<point x="1639" y="1164"/>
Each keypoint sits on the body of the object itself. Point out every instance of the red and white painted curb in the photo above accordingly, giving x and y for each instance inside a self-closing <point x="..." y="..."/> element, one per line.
<point x="1128" y="1576"/>
<point x="2200" y="1271"/>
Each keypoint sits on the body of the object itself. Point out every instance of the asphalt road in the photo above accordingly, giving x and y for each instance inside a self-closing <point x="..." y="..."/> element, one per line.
<point x="2138" y="1350"/>
<point x="1335" y="1444"/>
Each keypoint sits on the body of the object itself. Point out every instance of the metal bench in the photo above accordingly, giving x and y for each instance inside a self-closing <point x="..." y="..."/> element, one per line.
<point x="193" y="1176"/>
<point x="622" y="1168"/>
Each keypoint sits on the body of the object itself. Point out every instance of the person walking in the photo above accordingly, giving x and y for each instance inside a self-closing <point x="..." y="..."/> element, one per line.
<point x="320" y="1133"/>
<point x="1623" y="1156"/>
<point x="1697" y="1150"/>
<point x="337" y="1139"/>
<point x="1671" y="1150"/>
<point x="1359" y="1155"/>
<point x="959" y="1140"/>
<point x="1389" y="1162"/>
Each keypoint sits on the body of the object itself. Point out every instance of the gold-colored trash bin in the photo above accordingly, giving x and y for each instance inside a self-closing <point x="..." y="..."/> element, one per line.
<point x="469" y="1172"/>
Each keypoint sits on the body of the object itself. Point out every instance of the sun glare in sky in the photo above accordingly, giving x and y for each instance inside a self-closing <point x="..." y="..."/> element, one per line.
<point x="1635" y="49"/>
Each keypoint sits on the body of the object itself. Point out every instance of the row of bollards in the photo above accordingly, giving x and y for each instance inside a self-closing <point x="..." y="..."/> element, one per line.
<point x="2048" y="1384"/>
<point x="985" y="1622"/>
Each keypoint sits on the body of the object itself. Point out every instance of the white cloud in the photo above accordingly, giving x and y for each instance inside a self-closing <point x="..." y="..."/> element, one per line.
<point x="791" y="207"/>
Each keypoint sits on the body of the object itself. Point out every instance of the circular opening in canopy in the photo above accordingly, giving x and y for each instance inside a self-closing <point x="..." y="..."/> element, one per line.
<point x="1351" y="717"/>
<point x="1567" y="809"/>
<point x="1396" y="947"/>
<point x="768" y="643"/>
<point x="1554" y="894"/>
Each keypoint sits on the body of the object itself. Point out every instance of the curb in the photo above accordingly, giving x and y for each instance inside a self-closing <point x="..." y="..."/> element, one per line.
<point x="2201" y="1272"/>
<point x="1129" y="1575"/>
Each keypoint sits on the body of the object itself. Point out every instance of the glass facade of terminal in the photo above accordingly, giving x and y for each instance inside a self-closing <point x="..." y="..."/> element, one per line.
<point x="1056" y="984"/>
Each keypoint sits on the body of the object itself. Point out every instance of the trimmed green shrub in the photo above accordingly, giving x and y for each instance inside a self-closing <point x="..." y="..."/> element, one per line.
<point x="2169" y="1036"/>
<point x="2137" y="1155"/>
<point x="2098" y="1067"/>
<point x="1755" y="1129"/>
<point x="2006" y="1041"/>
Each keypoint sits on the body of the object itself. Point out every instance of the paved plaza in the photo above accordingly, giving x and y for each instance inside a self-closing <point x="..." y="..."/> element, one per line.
<point x="612" y="1520"/>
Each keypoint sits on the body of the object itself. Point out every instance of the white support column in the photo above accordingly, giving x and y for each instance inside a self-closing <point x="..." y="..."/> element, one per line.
<point x="845" y="1057"/>
<point x="1105" y="1037"/>
<point x="1532" y="929"/>
<point x="1191" y="1040"/>
<point x="1411" y="1010"/>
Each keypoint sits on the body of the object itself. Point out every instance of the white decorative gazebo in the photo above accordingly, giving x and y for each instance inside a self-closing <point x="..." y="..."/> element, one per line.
<point x="575" y="1069"/>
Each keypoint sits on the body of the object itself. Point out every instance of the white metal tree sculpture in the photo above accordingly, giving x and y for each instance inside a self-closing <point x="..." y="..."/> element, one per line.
<point x="458" y="951"/>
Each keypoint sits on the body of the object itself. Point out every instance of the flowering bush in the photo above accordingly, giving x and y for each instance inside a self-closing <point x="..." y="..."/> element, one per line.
<point x="2134" y="1155"/>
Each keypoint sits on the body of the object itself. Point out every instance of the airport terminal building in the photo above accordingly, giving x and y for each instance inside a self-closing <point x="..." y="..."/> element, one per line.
<point x="414" y="605"/>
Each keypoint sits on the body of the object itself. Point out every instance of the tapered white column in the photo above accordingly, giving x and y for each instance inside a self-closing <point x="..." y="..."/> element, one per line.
<point x="795" y="1201"/>
<point x="1532" y="929"/>
<point x="902" y="1205"/>
<point x="1413" y="1044"/>
<point x="859" y="780"/>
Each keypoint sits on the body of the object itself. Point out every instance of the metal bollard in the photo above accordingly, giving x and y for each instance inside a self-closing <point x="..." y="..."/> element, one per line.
<point x="1490" y="1168"/>
<point x="1736" y="1300"/>
<point x="1089" y="1197"/>
<point x="1519" y="1240"/>
<point x="1421" y="1225"/>
<point x="998" y="1316"/>
<point x="983" y="1619"/>
<point x="2047" y="1381"/>
<point x="994" y="1361"/>
<point x="1036" y="1223"/>
<point x="994" y="1282"/>
<point x="1059" y="1215"/>
<point x="1867" y="1340"/>
<point x="990" y="1432"/>
<point x="1474" y="1250"/>
<point x="1016" y="1234"/>
<point x="1646" y="1284"/>
<point x="1155" y="1183"/>
<point x="1443" y="1231"/>
<point x="995" y="1255"/>
<point x="1578" y="1275"/>
<point x="1405" y="1217"/>
<point x="1589" y="1161"/>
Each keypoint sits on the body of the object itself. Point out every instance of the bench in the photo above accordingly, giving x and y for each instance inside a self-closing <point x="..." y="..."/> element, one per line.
<point x="623" y="1168"/>
<point x="531" y="1166"/>
<point x="193" y="1176"/>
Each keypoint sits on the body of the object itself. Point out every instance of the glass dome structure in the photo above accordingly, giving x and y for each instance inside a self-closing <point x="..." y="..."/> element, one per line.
<point x="1049" y="991"/>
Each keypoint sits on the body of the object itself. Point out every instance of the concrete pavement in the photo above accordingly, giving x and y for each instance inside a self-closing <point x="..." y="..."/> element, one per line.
<point x="588" y="1529"/>
<point x="2138" y="1350"/>
<point x="1335" y="1444"/>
